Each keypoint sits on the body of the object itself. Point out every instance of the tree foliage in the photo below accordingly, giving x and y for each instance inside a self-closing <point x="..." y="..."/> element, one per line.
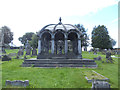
<point x="34" y="41"/>
<point x="101" y="38"/>
<point x="24" y="38"/>
<point x="84" y="36"/>
<point x="7" y="35"/>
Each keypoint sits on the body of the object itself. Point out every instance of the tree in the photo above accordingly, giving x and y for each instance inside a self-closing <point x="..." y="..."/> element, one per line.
<point x="7" y="35"/>
<point x="24" y="38"/>
<point x="113" y="42"/>
<point x="34" y="41"/>
<point x="84" y="36"/>
<point x="100" y="38"/>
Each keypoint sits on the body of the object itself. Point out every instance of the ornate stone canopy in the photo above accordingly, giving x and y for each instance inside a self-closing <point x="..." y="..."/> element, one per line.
<point x="53" y="38"/>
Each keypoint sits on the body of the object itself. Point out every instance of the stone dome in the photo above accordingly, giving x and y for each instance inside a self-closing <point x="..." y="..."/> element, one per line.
<point x="60" y="26"/>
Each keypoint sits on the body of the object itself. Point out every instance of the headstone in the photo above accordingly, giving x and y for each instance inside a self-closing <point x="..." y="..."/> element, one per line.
<point x="3" y="50"/>
<point x="6" y="58"/>
<point x="25" y="57"/>
<point x="21" y="51"/>
<point x="108" y="57"/>
<point x="98" y="58"/>
<point x="28" y="48"/>
<point x="28" y="51"/>
<point x="17" y="57"/>
<point x="12" y="54"/>
<point x="100" y="85"/>
<point x="17" y="83"/>
<point x="95" y="51"/>
<point x="34" y="51"/>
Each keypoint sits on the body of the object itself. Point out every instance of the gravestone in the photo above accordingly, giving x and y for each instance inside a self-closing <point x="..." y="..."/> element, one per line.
<point x="28" y="51"/>
<point x="6" y="58"/>
<point x="17" y="83"/>
<point x="12" y="54"/>
<point x="98" y="58"/>
<point x="100" y="85"/>
<point x="3" y="50"/>
<point x="108" y="57"/>
<point x="28" y="48"/>
<point x="34" y="52"/>
<point x="95" y="52"/>
<point x="21" y="51"/>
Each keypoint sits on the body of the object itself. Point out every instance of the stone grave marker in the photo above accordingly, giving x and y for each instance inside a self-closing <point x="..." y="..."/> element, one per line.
<point x="28" y="48"/>
<point x="28" y="51"/>
<point x="6" y="58"/>
<point x="34" y="52"/>
<point x="100" y="85"/>
<point x="98" y="58"/>
<point x="17" y="83"/>
<point x="12" y="54"/>
<point x="95" y="52"/>
<point x="20" y="52"/>
<point x="108" y="57"/>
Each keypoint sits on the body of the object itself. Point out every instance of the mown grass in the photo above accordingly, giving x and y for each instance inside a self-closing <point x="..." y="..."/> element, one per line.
<point x="58" y="77"/>
<point x="92" y="75"/>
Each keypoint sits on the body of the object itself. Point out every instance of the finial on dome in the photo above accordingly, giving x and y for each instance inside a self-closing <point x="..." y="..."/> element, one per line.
<point x="60" y="19"/>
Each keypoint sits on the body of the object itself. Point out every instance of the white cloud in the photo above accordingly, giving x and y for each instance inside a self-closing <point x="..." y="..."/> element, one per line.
<point x="31" y="15"/>
<point x="115" y="20"/>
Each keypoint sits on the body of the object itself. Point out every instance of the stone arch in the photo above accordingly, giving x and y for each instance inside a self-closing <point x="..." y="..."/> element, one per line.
<point x="73" y="42"/>
<point x="46" y="41"/>
<point x="46" y="31"/>
<point x="74" y="31"/>
<point x="59" y="37"/>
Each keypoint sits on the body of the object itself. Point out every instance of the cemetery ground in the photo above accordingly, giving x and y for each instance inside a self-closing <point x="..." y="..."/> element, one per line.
<point x="58" y="77"/>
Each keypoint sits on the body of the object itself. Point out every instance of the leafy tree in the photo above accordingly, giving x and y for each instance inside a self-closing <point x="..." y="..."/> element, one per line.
<point x="84" y="36"/>
<point x="113" y="42"/>
<point x="7" y="35"/>
<point x="34" y="41"/>
<point x="100" y="38"/>
<point x="24" y="38"/>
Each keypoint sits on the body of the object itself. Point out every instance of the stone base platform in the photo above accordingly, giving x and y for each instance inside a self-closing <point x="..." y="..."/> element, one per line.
<point x="59" y="62"/>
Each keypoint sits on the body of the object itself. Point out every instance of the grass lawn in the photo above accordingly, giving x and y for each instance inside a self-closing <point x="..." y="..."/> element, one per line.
<point x="58" y="77"/>
<point x="92" y="75"/>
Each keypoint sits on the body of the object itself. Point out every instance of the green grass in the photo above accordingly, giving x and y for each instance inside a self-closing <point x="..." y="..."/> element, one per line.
<point x="58" y="77"/>
<point x="92" y="75"/>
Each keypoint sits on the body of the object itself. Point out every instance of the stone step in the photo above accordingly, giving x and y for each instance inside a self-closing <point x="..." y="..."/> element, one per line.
<point x="57" y="65"/>
<point x="58" y="57"/>
<point x="86" y="63"/>
<point x="59" y="60"/>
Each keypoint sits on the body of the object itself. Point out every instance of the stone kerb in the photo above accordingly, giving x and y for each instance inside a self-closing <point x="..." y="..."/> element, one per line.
<point x="91" y="80"/>
<point x="17" y="83"/>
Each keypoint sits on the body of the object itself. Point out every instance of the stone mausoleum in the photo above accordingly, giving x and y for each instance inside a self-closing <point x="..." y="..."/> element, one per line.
<point x="59" y="45"/>
<point x="59" y="40"/>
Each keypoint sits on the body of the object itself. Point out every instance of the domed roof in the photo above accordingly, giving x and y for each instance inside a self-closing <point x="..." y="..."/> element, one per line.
<point x="59" y="26"/>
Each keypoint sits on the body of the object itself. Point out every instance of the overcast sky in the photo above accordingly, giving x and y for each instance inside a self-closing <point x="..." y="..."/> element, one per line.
<point x="23" y="16"/>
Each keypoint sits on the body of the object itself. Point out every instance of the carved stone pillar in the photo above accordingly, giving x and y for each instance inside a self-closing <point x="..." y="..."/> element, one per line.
<point x="52" y="51"/>
<point x="79" y="48"/>
<point x="66" y="46"/>
<point x="39" y="46"/>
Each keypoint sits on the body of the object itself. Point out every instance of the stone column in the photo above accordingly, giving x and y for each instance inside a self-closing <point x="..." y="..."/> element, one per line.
<point x="66" y="46"/>
<point x="52" y="46"/>
<point x="79" y="48"/>
<point x="39" y="46"/>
